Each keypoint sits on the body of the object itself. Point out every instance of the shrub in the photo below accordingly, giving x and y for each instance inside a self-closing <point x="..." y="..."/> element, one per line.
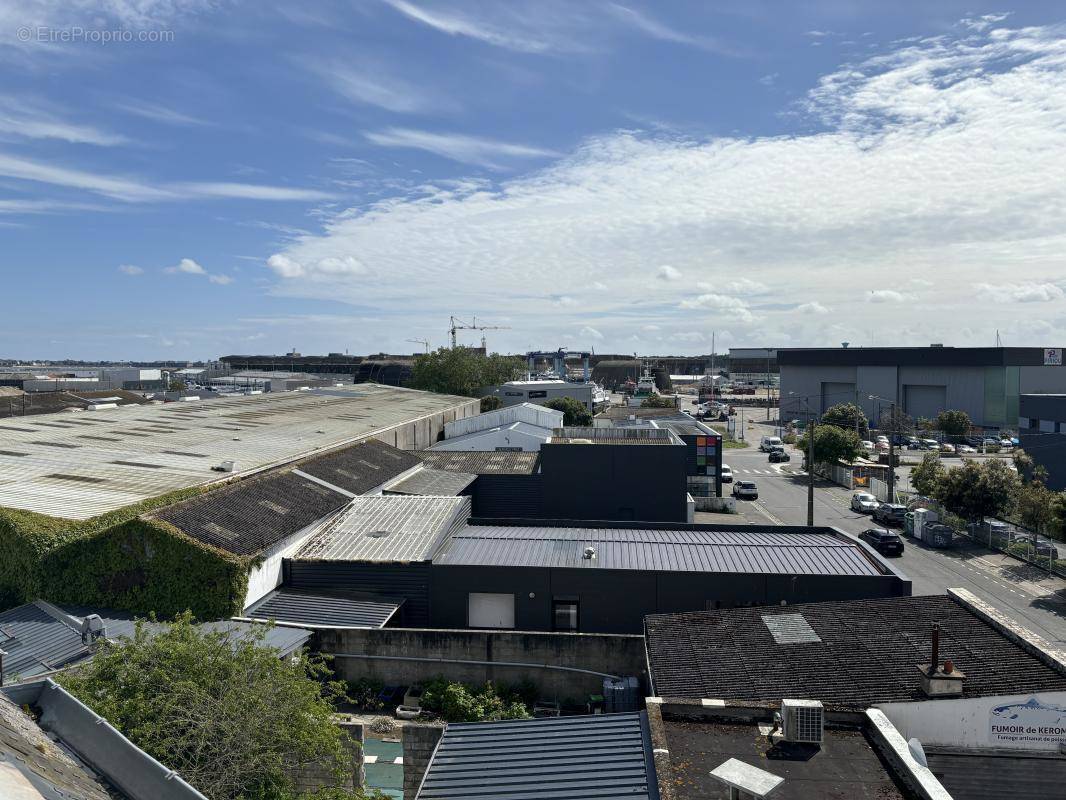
<point x="364" y="693"/>
<point x="457" y="702"/>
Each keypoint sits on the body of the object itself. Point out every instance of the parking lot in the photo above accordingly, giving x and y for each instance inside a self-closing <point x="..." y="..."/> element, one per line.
<point x="1027" y="593"/>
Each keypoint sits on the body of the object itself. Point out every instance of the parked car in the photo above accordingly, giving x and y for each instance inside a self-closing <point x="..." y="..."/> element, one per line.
<point x="768" y="443"/>
<point x="866" y="445"/>
<point x="882" y="438"/>
<point x="914" y="444"/>
<point x="889" y="514"/>
<point x="883" y="541"/>
<point x="863" y="502"/>
<point x="965" y="448"/>
<point x="727" y="473"/>
<point x="1007" y="443"/>
<point x="778" y="455"/>
<point x="745" y="490"/>
<point x="882" y="447"/>
<point x="929" y="444"/>
<point x="989" y="443"/>
<point x="947" y="448"/>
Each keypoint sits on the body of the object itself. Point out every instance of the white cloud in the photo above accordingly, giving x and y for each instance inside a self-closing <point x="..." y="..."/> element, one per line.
<point x="663" y="32"/>
<point x="251" y="191"/>
<point x="913" y="176"/>
<point x="590" y="333"/>
<point x="1021" y="292"/>
<point x="130" y="269"/>
<point x="330" y="267"/>
<point x="813" y="307"/>
<point x="564" y="301"/>
<point x="885" y="296"/>
<point x="188" y="266"/>
<point x="668" y="273"/>
<point x="467" y="149"/>
<point x="159" y="113"/>
<point x="921" y="283"/>
<point x="222" y="280"/>
<point x="30" y="118"/>
<point x="689" y="336"/>
<point x="736" y="286"/>
<point x="650" y="328"/>
<point x="370" y="84"/>
<point x="769" y="80"/>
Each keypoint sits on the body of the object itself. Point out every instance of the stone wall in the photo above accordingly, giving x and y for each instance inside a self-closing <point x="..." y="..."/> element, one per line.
<point x="419" y="742"/>
<point x="313" y="777"/>
<point x="413" y="655"/>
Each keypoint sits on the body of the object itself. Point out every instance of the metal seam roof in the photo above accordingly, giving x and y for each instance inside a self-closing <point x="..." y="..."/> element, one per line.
<point x="320" y="609"/>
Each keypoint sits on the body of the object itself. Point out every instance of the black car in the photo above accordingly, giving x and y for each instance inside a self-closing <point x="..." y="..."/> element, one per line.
<point x="778" y="455"/>
<point x="889" y="514"/>
<point x="885" y="542"/>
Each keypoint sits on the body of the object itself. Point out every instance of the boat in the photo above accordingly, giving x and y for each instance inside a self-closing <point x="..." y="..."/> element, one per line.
<point x="646" y="384"/>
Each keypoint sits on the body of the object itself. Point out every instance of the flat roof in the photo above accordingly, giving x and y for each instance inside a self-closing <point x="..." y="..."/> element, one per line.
<point x="681" y="549"/>
<point x="481" y="463"/>
<point x="845" y="766"/>
<point x="564" y="758"/>
<point x="863" y="652"/>
<point x="387" y="529"/>
<point x="912" y="356"/>
<point x="323" y="609"/>
<point x="80" y="465"/>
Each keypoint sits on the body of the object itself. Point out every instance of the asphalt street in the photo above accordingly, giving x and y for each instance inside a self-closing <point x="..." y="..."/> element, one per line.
<point x="1027" y="593"/>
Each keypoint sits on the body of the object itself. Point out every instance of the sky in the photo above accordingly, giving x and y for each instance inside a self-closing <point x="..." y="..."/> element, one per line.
<point x="184" y="179"/>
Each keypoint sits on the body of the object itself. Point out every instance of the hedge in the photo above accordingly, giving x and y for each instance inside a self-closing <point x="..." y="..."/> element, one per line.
<point x="118" y="560"/>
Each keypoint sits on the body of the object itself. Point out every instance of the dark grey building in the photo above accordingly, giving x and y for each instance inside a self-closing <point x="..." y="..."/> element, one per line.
<point x="1042" y="432"/>
<point x="985" y="382"/>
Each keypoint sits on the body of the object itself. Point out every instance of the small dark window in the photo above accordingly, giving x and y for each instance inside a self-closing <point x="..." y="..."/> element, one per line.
<point x="564" y="615"/>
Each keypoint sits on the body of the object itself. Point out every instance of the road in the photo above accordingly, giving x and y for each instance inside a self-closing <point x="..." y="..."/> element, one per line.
<point x="1025" y="592"/>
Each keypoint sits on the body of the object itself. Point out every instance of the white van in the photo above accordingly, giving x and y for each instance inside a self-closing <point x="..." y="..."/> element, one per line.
<point x="768" y="443"/>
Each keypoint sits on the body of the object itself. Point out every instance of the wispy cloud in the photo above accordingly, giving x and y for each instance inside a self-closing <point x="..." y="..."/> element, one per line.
<point x="1037" y="292"/>
<point x="251" y="191"/>
<point x="668" y="273"/>
<point x="459" y="147"/>
<point x="30" y="118"/>
<point x="455" y="23"/>
<point x="159" y="113"/>
<point x="656" y="29"/>
<point x="368" y="83"/>
<point x="130" y="269"/>
<point x="188" y="266"/>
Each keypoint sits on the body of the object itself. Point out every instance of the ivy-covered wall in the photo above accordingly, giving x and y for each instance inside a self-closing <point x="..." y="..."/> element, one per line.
<point x="119" y="561"/>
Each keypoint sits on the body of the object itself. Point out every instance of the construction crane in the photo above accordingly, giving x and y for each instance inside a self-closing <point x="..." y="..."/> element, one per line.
<point x="460" y="325"/>
<point x="423" y="342"/>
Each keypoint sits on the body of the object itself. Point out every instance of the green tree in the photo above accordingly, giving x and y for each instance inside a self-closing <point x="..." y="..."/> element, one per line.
<point x="490" y="403"/>
<point x="177" y="386"/>
<point x="927" y="476"/>
<point x="954" y="423"/>
<point x="847" y="416"/>
<point x="658" y="401"/>
<point x="1028" y="469"/>
<point x="831" y="444"/>
<point x="462" y="371"/>
<point x="1058" y="515"/>
<point x="574" y="411"/>
<point x="974" y="490"/>
<point x="229" y="715"/>
<point x="1034" y="507"/>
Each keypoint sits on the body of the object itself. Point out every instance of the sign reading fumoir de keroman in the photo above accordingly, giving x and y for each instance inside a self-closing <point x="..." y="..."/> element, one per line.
<point x="1032" y="721"/>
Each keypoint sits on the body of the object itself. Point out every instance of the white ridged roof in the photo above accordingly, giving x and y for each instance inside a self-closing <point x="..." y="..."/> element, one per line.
<point x="64" y="464"/>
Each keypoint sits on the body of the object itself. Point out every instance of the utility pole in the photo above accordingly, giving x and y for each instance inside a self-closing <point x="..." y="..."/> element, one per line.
<point x="810" y="470"/>
<point x="767" y="383"/>
<point x="893" y="428"/>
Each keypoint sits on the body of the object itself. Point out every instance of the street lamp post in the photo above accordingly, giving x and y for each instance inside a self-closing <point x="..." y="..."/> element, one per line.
<point x="891" y="447"/>
<point x="810" y="459"/>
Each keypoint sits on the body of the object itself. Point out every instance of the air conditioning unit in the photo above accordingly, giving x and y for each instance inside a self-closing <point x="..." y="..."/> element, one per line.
<point x="803" y="721"/>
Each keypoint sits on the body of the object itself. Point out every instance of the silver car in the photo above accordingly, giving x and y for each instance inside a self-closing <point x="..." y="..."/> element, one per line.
<point x="864" y="503"/>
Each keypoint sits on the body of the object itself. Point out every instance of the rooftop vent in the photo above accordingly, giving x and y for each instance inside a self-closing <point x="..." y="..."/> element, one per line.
<point x="790" y="629"/>
<point x="92" y="628"/>
<point x="589" y="554"/>
<point x="802" y="721"/>
<point x="744" y="780"/>
<point x="378" y="534"/>
<point x="940" y="680"/>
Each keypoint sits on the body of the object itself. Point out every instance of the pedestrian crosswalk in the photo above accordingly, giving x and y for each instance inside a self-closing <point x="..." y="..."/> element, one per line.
<point x="737" y="471"/>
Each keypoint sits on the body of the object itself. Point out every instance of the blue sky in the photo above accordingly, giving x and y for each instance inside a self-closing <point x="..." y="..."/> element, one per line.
<point x="251" y="177"/>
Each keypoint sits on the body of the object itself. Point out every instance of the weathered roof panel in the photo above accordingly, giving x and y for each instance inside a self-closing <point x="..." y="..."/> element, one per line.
<point x="323" y="609"/>
<point x="436" y="482"/>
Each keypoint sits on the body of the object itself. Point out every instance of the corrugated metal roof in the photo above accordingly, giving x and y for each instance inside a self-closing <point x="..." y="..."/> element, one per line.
<point x="38" y="640"/>
<point x="482" y="463"/>
<point x="534" y="415"/>
<point x="666" y="550"/>
<point x="564" y="758"/>
<point x="318" y="609"/>
<point x="182" y="441"/>
<point x="388" y="529"/>
<point x="435" y="482"/>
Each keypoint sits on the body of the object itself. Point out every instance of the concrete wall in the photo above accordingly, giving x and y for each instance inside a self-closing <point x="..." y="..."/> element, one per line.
<point x="312" y="777"/>
<point x="423" y="432"/>
<point x="611" y="654"/>
<point x="419" y="744"/>
<point x="1013" y="722"/>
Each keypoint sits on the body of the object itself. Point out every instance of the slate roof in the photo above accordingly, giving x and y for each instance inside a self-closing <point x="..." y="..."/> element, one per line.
<point x="40" y="638"/>
<point x="868" y="653"/>
<point x="323" y="609"/>
<point x="25" y="748"/>
<point x="563" y="758"/>
<point x="481" y="463"/>
<point x="388" y="529"/>
<point x="362" y="467"/>
<point x="680" y="550"/>
<point x="438" y="482"/>
<point x="249" y="516"/>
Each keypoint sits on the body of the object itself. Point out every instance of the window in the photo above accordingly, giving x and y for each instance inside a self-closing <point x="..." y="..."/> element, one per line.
<point x="564" y="614"/>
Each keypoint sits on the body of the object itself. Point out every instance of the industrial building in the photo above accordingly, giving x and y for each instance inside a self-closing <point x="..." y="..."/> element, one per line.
<point x="1042" y="434"/>
<point x="522" y="427"/>
<point x="985" y="382"/>
<point x="540" y="392"/>
<point x="448" y="570"/>
<point x="757" y="365"/>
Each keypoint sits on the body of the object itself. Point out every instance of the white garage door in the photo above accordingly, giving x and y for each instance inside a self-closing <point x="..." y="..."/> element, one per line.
<point x="491" y="610"/>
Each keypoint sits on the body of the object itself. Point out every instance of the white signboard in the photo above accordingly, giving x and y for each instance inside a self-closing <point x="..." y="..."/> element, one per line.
<point x="1052" y="357"/>
<point x="1030" y="721"/>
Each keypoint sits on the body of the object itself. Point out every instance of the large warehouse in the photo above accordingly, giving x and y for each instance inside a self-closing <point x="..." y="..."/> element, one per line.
<point x="985" y="382"/>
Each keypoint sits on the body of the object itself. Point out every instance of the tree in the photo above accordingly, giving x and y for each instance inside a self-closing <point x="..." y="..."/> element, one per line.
<point x="490" y="403"/>
<point x="831" y="444"/>
<point x="177" y="386"/>
<point x="847" y="416"/>
<point x="1028" y="469"/>
<point x="954" y="423"/>
<point x="574" y="411"/>
<point x="462" y="371"/>
<point x="974" y="491"/>
<point x="658" y="401"/>
<point x="927" y="476"/>
<point x="1034" y="506"/>
<point x="229" y="715"/>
